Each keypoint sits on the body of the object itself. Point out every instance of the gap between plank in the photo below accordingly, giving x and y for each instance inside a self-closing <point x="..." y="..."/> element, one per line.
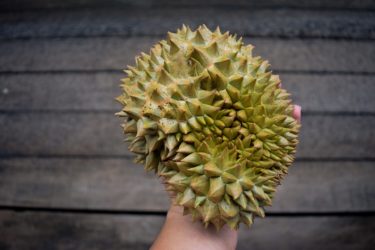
<point x="118" y="71"/>
<point x="187" y="6"/>
<point x="131" y="35"/>
<point x="130" y="157"/>
<point x="163" y="213"/>
<point x="113" y="111"/>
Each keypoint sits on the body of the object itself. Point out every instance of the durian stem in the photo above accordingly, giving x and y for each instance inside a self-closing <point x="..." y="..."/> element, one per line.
<point x="180" y="232"/>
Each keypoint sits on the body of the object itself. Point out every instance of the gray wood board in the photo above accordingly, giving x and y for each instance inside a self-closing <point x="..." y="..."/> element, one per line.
<point x="119" y="184"/>
<point x="135" y="22"/>
<point x="320" y="4"/>
<point x="40" y="230"/>
<point x="114" y="53"/>
<point x="56" y="133"/>
<point x="96" y="91"/>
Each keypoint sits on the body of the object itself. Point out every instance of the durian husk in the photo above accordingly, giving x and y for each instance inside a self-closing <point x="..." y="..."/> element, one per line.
<point x="211" y="119"/>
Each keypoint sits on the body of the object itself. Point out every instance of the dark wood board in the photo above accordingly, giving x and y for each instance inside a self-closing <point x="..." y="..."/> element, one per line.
<point x="90" y="133"/>
<point x="114" y="53"/>
<point x="251" y="22"/>
<point x="119" y="184"/>
<point x="96" y="91"/>
<point x="43" y="230"/>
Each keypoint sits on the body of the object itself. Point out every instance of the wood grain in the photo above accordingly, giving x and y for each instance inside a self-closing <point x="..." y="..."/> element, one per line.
<point x="62" y="134"/>
<point x="115" y="53"/>
<point x="119" y="184"/>
<point x="30" y="230"/>
<point x="66" y="177"/>
<point x="96" y="91"/>
<point x="151" y="22"/>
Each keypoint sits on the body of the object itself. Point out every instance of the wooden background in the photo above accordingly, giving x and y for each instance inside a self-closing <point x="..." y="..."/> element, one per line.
<point x="66" y="178"/>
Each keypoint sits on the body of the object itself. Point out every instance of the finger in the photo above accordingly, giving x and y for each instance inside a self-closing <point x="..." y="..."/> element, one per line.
<point x="297" y="113"/>
<point x="297" y="108"/>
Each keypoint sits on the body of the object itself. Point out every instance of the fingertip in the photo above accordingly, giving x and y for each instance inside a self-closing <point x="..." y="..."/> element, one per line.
<point x="298" y="108"/>
<point x="297" y="112"/>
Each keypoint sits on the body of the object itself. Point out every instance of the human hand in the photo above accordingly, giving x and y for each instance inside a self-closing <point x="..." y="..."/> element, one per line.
<point x="180" y="232"/>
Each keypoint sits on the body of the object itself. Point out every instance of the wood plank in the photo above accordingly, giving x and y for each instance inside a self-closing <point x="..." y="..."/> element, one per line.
<point x="119" y="184"/>
<point x="320" y="4"/>
<point x="39" y="230"/>
<point x="140" y="21"/>
<point x="76" y="231"/>
<point x="115" y="53"/>
<point x="82" y="91"/>
<point x="96" y="91"/>
<point x="331" y="93"/>
<point x="56" y="133"/>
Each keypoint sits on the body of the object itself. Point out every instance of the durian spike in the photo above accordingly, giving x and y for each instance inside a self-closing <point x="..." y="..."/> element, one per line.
<point x="212" y="121"/>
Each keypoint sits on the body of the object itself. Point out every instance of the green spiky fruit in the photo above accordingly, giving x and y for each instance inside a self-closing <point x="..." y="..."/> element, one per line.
<point x="210" y="118"/>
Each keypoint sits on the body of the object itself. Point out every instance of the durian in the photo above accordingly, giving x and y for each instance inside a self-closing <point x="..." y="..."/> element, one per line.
<point x="211" y="119"/>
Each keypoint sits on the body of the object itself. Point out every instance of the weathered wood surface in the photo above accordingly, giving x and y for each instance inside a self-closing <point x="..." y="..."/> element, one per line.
<point x="96" y="91"/>
<point x="119" y="184"/>
<point x="138" y="21"/>
<point x="320" y="4"/>
<point x="61" y="147"/>
<point x="42" y="230"/>
<point x="115" y="53"/>
<point x="54" y="133"/>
